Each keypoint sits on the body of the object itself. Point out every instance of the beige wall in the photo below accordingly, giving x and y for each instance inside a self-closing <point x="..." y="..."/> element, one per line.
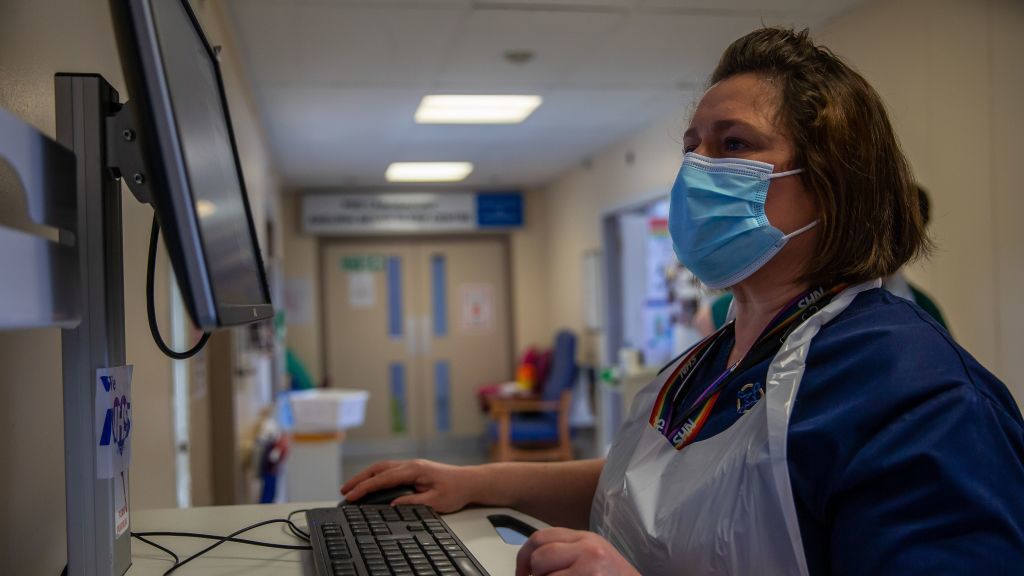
<point x="302" y="263"/>
<point x="1006" y="45"/>
<point x="36" y="41"/>
<point x="531" y="302"/>
<point x="950" y="73"/>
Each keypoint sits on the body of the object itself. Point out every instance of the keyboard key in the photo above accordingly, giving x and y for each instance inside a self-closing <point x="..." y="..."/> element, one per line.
<point x="465" y="565"/>
<point x="339" y="554"/>
<point x="344" y="569"/>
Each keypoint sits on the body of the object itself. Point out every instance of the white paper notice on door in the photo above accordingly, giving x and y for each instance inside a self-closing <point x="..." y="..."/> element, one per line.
<point x="298" y="301"/>
<point x="361" y="290"/>
<point x="476" y="308"/>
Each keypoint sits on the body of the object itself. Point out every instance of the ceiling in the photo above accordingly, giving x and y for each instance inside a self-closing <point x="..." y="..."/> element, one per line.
<point x="337" y="81"/>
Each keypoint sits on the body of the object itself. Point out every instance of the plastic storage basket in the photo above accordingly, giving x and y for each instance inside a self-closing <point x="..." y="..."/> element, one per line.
<point x="323" y="410"/>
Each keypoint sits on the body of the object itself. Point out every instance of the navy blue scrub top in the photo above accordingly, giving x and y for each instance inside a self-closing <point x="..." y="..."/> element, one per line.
<point x="905" y="455"/>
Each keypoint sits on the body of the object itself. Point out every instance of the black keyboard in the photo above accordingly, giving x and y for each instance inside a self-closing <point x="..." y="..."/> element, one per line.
<point x="380" y="540"/>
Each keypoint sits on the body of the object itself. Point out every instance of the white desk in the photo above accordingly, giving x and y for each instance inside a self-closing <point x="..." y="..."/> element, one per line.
<point x="471" y="526"/>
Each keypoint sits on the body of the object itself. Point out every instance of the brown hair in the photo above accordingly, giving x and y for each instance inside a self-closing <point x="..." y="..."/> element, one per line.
<point x="871" y="223"/>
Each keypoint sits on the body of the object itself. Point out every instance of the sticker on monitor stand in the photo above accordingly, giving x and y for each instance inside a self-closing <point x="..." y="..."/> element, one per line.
<point x="114" y="431"/>
<point x="113" y="421"/>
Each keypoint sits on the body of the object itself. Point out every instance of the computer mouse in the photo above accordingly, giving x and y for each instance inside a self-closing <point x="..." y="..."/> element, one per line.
<point x="383" y="496"/>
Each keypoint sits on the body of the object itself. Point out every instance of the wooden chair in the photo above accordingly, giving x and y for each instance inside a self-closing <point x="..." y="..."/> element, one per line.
<point x="537" y="428"/>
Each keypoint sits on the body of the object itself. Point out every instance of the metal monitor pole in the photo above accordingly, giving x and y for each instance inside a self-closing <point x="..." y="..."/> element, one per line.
<point x="77" y="284"/>
<point x="88" y="113"/>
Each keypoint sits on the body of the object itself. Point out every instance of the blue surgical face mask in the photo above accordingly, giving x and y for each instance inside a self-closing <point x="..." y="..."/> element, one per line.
<point x="717" y="220"/>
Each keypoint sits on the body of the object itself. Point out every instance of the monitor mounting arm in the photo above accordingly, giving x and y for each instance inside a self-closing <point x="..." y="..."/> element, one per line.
<point x="124" y="152"/>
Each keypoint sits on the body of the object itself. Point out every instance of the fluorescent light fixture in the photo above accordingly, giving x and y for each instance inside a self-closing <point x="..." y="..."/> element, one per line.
<point x="428" y="171"/>
<point x="468" y="109"/>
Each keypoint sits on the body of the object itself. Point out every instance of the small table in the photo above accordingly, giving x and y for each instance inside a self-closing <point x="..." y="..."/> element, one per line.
<point x="470" y="525"/>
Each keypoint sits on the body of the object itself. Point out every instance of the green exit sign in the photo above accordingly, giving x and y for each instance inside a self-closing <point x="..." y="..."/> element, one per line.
<point x="367" y="263"/>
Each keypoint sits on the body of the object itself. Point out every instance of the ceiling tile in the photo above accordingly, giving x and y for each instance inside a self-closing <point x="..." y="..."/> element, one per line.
<point x="664" y="49"/>
<point x="563" y="4"/>
<point x="580" y="109"/>
<point x="722" y="5"/>
<point x="265" y="30"/>
<point x="355" y="45"/>
<point x="558" y="40"/>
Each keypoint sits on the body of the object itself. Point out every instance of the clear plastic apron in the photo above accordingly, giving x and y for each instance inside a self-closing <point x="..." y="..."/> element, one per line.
<point x="722" y="505"/>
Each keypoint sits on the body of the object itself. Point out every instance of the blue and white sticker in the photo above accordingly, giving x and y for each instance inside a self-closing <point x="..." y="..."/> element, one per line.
<point x="113" y="421"/>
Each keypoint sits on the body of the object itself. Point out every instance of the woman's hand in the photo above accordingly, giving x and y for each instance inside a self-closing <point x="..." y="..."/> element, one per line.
<point x="570" y="553"/>
<point x="440" y="486"/>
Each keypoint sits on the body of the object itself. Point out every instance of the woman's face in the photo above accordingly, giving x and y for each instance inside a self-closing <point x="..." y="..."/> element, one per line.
<point x="736" y="118"/>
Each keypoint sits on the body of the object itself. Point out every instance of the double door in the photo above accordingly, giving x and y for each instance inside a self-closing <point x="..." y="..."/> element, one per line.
<point x="421" y="325"/>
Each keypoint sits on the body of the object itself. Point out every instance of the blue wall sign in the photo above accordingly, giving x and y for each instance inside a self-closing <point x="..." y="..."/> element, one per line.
<point x="499" y="210"/>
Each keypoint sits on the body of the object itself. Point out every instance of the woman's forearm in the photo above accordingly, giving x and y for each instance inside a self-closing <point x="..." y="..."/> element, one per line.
<point x="559" y="493"/>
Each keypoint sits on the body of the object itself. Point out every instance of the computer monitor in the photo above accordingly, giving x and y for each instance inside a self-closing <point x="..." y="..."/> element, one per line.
<point x="191" y="161"/>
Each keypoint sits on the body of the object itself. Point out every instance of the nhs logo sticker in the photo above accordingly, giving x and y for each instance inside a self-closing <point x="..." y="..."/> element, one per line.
<point x="113" y="420"/>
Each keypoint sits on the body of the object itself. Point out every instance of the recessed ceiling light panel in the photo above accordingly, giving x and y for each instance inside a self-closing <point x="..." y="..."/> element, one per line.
<point x="476" y="109"/>
<point x="428" y="171"/>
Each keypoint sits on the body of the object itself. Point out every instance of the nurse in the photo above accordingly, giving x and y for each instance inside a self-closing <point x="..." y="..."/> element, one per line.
<point x="831" y="428"/>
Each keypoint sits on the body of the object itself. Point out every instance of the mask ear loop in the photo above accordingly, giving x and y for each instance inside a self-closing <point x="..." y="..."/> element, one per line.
<point x="800" y="230"/>
<point x="775" y="175"/>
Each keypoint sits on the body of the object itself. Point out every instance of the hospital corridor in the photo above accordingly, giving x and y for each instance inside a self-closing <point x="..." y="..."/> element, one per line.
<point x="511" y="287"/>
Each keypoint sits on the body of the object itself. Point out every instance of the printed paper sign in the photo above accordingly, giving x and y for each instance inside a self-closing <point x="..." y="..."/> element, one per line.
<point x="361" y="290"/>
<point x="298" y="301"/>
<point x="476" y="308"/>
<point x="113" y="420"/>
<point x="357" y="214"/>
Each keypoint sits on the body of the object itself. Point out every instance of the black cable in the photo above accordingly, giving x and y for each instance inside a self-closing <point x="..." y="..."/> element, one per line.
<point x="299" y="532"/>
<point x="216" y="537"/>
<point x="154" y="233"/>
<point x="226" y="539"/>
<point x="155" y="545"/>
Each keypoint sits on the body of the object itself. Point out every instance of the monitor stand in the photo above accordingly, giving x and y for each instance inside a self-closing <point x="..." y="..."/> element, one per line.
<point x="92" y="123"/>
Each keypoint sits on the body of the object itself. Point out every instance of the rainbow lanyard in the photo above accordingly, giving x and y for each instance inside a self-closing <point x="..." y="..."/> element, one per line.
<point x="680" y="426"/>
